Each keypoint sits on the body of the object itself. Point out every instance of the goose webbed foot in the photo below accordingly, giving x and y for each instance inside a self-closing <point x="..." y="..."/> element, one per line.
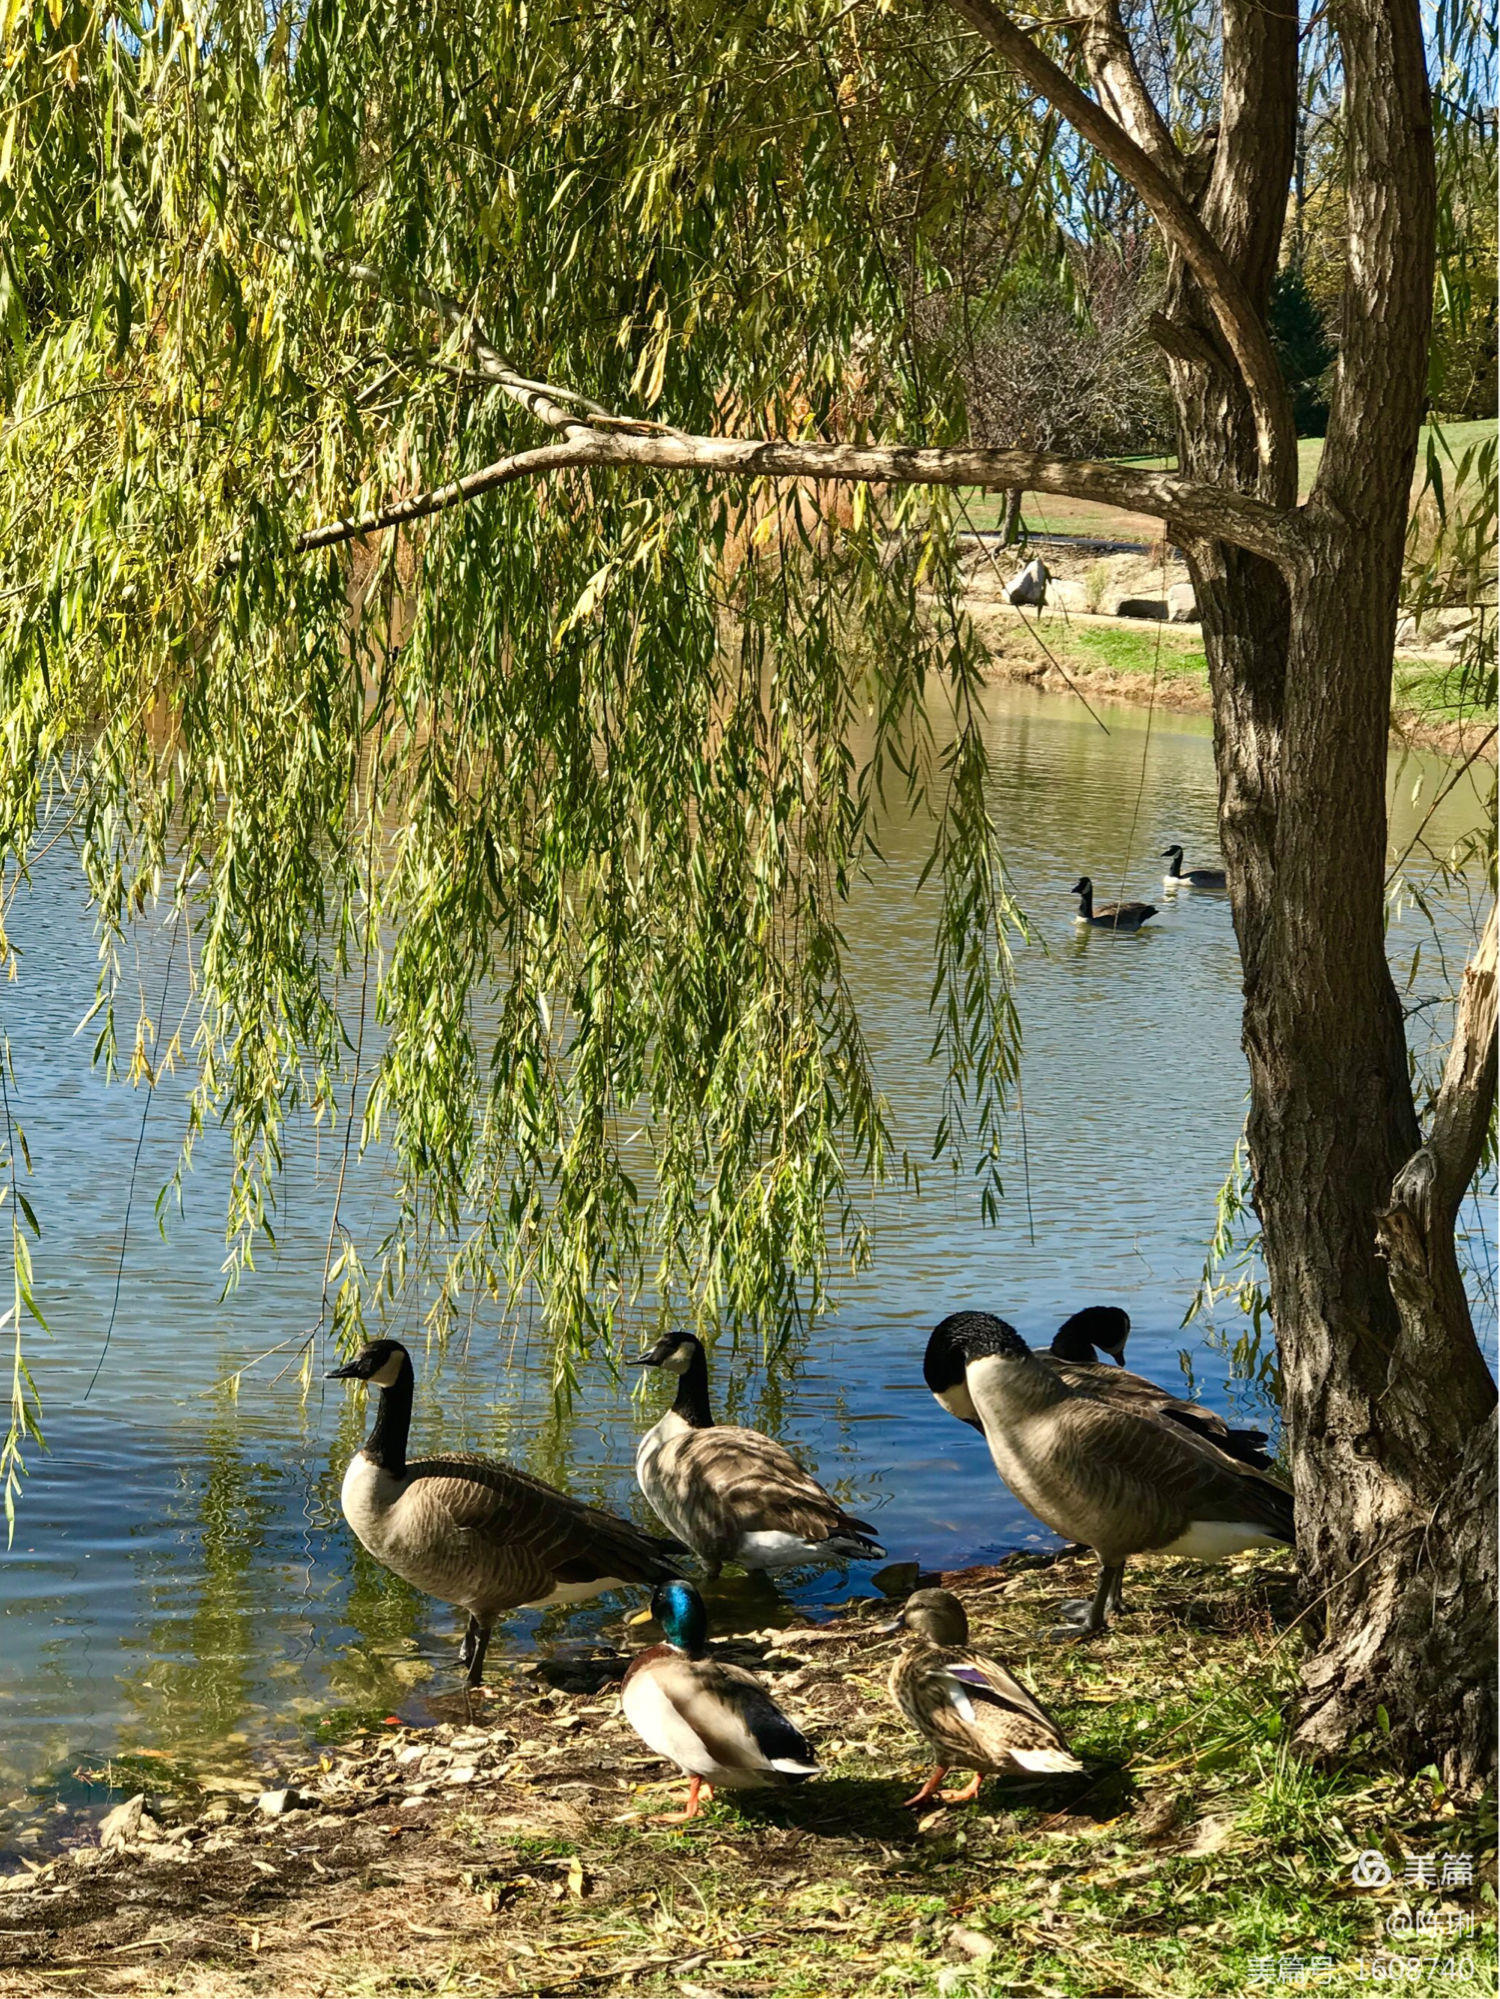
<point x="1087" y="1617"/>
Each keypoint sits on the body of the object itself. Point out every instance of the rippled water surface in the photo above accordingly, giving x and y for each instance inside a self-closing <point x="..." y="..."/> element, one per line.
<point x="181" y="1585"/>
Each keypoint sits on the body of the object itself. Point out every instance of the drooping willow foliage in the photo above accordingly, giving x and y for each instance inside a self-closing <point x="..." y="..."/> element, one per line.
<point x="520" y="838"/>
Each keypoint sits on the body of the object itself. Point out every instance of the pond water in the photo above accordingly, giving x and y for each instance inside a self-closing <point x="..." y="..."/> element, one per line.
<point x="182" y="1589"/>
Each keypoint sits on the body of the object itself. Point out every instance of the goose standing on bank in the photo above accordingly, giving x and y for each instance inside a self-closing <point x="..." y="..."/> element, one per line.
<point x="735" y="1495"/>
<point x="974" y="1712"/>
<point x="1114" y="915"/>
<point x="715" y="1721"/>
<point x="1125" y="1480"/>
<point x="474" y="1532"/>
<point x="1177" y="876"/>
<point x="1072" y="1356"/>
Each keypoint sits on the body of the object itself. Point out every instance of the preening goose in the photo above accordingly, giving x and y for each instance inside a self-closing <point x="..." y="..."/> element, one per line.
<point x="1114" y="915"/>
<point x="476" y="1533"/>
<point x="1177" y="876"/>
<point x="974" y="1712"/>
<point x="734" y="1495"/>
<point x="1107" y="1327"/>
<point x="1072" y="1357"/>
<point x="1124" y="1479"/>
<point x="715" y="1721"/>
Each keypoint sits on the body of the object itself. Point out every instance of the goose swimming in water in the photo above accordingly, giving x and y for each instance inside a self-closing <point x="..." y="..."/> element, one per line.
<point x="1114" y="915"/>
<point x="1072" y="1357"/>
<point x="475" y="1532"/>
<point x="715" y="1721"/>
<point x="1177" y="876"/>
<point x="973" y="1711"/>
<point x="735" y="1495"/>
<point x="1124" y="1479"/>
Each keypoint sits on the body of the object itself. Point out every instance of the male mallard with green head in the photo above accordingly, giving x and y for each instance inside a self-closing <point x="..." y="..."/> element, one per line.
<point x="715" y="1721"/>
<point x="975" y="1714"/>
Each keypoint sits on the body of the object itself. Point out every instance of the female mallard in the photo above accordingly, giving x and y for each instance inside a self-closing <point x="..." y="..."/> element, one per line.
<point x="974" y="1713"/>
<point x="716" y="1722"/>
<point x="734" y="1495"/>
<point x="478" y="1534"/>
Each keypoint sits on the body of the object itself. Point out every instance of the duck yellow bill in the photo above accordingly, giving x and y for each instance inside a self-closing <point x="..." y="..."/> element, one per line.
<point x="639" y="1617"/>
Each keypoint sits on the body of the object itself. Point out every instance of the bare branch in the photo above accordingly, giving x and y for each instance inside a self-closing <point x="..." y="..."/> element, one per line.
<point x="1118" y="84"/>
<point x="1241" y="325"/>
<point x="1201" y="509"/>
<point x="1415" y="1233"/>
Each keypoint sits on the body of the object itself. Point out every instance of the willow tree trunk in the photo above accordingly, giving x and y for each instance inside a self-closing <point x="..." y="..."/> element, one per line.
<point x="1389" y="1405"/>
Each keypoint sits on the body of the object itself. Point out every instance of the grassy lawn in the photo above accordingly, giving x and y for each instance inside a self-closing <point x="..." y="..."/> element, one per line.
<point x="1045" y="514"/>
<point x="1157" y="649"/>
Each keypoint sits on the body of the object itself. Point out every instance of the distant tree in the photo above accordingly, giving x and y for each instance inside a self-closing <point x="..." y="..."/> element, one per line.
<point x="1303" y="349"/>
<point x="1067" y="368"/>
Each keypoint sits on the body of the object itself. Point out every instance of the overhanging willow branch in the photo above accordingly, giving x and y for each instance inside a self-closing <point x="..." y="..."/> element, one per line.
<point x="1272" y="532"/>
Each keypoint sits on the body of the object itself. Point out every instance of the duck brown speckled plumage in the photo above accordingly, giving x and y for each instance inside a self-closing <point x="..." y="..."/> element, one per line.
<point x="974" y="1711"/>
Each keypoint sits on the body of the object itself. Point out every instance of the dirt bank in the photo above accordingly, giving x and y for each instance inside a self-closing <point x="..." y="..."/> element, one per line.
<point x="514" y="1851"/>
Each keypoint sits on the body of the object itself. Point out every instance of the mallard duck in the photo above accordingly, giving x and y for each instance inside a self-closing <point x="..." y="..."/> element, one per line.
<point x="715" y="1721"/>
<point x="1177" y="876"/>
<point x="734" y="1495"/>
<point x="1114" y="915"/>
<point x="975" y="1714"/>
<point x="476" y="1533"/>
<point x="1122" y="1477"/>
<point x="1072" y="1357"/>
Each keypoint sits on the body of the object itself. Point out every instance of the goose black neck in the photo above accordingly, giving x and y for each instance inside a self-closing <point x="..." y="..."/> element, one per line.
<point x="386" y="1443"/>
<point x="1086" y="900"/>
<point x="691" y="1402"/>
<point x="1071" y="1342"/>
<point x="1176" y="868"/>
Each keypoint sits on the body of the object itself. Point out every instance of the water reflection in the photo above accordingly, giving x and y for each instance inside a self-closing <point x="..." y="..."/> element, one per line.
<point x="181" y="1581"/>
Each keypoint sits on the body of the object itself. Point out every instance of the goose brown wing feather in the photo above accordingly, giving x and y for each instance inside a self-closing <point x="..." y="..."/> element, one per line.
<point x="1119" y="1385"/>
<point x="1164" y="1474"/>
<point x="540" y="1536"/>
<point x="737" y="1481"/>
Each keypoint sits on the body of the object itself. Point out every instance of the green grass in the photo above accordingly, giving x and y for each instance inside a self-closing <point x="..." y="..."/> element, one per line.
<point x="1046" y="514"/>
<point x="1154" y="650"/>
<point x="1200" y="1851"/>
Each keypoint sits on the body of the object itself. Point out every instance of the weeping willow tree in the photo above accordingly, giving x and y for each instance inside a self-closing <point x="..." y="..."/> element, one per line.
<point x="479" y="529"/>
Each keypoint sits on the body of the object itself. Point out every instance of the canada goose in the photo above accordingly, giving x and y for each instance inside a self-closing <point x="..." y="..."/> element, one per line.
<point x="1114" y="915"/>
<point x="1107" y="1327"/>
<point x="734" y="1495"/>
<point x="974" y="1713"/>
<point x="1179" y="877"/>
<point x="715" y="1721"/>
<point x="1072" y="1357"/>
<point x="475" y="1533"/>
<point x="1126" y="1480"/>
